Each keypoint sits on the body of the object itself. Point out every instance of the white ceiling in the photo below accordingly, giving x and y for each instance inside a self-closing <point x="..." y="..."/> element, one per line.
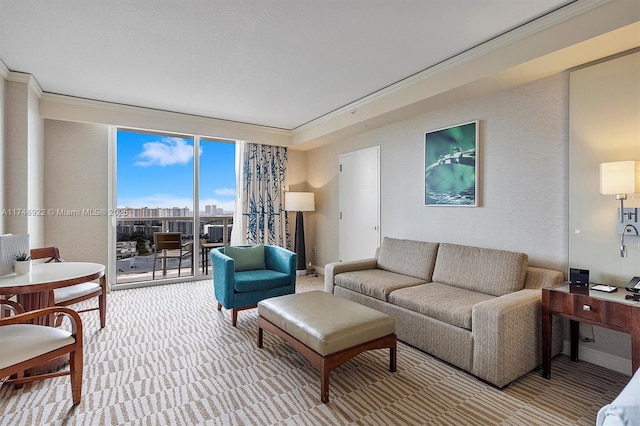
<point x="277" y="63"/>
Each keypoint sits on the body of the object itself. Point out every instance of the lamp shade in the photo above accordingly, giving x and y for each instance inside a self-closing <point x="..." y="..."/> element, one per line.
<point x="299" y="201"/>
<point x="620" y="177"/>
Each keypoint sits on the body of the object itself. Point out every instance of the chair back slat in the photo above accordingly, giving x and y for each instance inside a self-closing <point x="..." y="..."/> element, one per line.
<point x="51" y="254"/>
<point x="167" y="240"/>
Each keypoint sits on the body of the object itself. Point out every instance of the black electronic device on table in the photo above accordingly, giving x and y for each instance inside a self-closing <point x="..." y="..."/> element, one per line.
<point x="579" y="280"/>
<point x="633" y="285"/>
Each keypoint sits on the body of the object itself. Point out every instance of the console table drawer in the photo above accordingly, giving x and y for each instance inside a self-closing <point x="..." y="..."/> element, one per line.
<point x="587" y="308"/>
<point x="592" y="309"/>
<point x="602" y="311"/>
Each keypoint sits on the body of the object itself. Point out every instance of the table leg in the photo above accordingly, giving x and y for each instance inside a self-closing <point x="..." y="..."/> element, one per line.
<point x="33" y="301"/>
<point x="546" y="336"/>
<point x="635" y="339"/>
<point x="393" y="357"/>
<point x="574" y="328"/>
<point x="260" y="334"/>
<point x="324" y="383"/>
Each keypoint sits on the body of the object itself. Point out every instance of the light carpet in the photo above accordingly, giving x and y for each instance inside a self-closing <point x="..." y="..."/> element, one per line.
<point x="168" y="357"/>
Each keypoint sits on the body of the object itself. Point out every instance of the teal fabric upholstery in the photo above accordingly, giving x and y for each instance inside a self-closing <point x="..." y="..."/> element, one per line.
<point x="244" y="289"/>
<point x="247" y="258"/>
<point x="260" y="279"/>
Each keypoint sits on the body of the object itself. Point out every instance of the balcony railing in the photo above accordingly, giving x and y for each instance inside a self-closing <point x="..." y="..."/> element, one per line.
<point x="134" y="247"/>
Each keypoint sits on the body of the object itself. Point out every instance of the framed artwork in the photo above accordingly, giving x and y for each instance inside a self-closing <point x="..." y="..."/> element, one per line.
<point x="450" y="166"/>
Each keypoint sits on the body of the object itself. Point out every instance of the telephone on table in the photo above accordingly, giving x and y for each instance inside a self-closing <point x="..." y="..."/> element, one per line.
<point x="634" y="285"/>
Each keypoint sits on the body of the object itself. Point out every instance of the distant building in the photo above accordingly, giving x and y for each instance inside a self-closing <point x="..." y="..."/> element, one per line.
<point x="125" y="249"/>
<point x="212" y="210"/>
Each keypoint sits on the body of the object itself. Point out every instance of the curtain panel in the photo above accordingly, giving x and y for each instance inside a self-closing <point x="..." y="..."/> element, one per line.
<point x="260" y="217"/>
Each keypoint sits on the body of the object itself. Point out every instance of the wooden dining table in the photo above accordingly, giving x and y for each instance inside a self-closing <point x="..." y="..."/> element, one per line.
<point x="33" y="290"/>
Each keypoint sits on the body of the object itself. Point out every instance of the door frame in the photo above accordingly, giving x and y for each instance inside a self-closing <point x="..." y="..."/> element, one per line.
<point x="340" y="204"/>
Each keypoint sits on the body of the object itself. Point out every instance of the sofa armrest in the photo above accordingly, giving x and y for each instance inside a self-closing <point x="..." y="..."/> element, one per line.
<point x="538" y="278"/>
<point x="282" y="260"/>
<point x="333" y="269"/>
<point x="507" y="336"/>
<point x="224" y="269"/>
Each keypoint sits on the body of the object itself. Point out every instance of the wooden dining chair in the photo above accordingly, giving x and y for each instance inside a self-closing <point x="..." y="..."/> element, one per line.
<point x="24" y="345"/>
<point x="168" y="245"/>
<point x="70" y="295"/>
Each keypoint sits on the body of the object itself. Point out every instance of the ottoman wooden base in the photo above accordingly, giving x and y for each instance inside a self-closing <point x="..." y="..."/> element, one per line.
<point x="327" y="362"/>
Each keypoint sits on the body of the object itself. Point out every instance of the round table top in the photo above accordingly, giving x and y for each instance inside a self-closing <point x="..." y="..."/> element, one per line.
<point x="47" y="276"/>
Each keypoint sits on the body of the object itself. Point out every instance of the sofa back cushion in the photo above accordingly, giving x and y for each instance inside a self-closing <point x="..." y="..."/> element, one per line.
<point x="489" y="271"/>
<point x="408" y="257"/>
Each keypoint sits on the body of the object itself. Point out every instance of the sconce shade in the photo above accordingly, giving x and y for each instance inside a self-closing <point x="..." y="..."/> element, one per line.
<point x="299" y="201"/>
<point x="620" y="177"/>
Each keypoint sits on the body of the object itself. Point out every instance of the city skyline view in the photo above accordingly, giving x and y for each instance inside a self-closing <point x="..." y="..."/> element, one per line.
<point x="156" y="171"/>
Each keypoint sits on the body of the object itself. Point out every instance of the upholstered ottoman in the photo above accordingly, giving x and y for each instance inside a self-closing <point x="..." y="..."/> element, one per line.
<point x="326" y="329"/>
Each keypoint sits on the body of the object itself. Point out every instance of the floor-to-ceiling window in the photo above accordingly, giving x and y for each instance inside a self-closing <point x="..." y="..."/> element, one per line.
<point x="217" y="194"/>
<point x="157" y="176"/>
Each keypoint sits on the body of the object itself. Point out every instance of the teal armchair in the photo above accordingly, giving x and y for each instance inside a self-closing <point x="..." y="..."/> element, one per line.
<point x="245" y="275"/>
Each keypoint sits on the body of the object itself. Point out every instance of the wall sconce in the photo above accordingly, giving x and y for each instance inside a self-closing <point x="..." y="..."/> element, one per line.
<point x="300" y="202"/>
<point x="621" y="178"/>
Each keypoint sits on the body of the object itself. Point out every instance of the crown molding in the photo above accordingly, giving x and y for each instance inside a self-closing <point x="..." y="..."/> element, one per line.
<point x="28" y="79"/>
<point x="69" y="108"/>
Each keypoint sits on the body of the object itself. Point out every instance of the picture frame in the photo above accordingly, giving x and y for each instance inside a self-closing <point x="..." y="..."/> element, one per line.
<point x="451" y="165"/>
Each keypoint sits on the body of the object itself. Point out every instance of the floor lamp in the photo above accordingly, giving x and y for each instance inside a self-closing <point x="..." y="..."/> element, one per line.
<point x="300" y="202"/>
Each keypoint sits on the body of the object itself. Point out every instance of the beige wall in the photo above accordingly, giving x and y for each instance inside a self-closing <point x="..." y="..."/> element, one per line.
<point x="604" y="127"/>
<point x="22" y="150"/>
<point x="76" y="179"/>
<point x="2" y="148"/>
<point x="523" y="177"/>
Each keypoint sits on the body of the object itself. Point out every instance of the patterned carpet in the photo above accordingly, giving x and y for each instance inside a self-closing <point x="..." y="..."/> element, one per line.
<point x="168" y="357"/>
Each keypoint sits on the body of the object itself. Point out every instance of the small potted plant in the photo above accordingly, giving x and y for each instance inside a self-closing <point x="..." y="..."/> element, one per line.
<point x="23" y="263"/>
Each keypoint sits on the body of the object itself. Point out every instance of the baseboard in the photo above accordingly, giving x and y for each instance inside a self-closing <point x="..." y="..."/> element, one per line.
<point x="319" y="270"/>
<point x="603" y="359"/>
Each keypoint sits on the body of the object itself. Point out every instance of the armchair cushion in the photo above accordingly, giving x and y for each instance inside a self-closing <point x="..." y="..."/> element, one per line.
<point x="63" y="294"/>
<point x="247" y="258"/>
<point x="26" y="341"/>
<point x="258" y="280"/>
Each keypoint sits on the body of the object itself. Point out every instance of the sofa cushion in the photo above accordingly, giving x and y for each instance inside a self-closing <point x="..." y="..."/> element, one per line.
<point x="376" y="283"/>
<point x="490" y="271"/>
<point x="246" y="258"/>
<point x="408" y="257"/>
<point x="259" y="279"/>
<point x="442" y="302"/>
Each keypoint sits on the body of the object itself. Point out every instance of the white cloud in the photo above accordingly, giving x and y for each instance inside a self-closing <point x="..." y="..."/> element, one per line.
<point x="225" y="191"/>
<point x="165" y="152"/>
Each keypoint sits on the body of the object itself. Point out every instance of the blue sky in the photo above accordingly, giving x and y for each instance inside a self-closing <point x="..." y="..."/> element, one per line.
<point x="157" y="171"/>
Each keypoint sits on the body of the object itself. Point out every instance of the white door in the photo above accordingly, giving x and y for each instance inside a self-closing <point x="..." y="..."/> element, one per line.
<point x="359" y="204"/>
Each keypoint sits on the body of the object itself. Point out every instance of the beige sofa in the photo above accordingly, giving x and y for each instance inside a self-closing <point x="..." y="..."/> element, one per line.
<point x="476" y="308"/>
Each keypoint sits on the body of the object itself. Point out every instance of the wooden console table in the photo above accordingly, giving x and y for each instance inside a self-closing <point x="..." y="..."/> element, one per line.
<point x="608" y="310"/>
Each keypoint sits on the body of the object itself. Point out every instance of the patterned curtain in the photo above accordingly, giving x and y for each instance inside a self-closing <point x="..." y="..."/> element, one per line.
<point x="259" y="216"/>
